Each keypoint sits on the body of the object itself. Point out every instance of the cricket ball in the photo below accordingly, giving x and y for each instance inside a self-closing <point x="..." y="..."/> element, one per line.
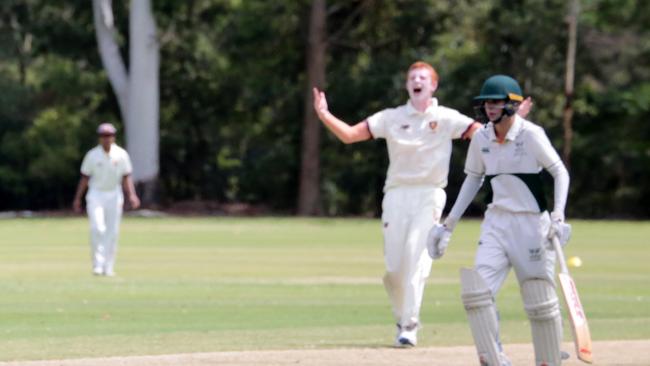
<point x="575" y="262"/>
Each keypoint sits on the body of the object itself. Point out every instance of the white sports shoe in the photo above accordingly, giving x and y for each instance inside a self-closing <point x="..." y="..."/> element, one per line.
<point x="399" y="331"/>
<point x="397" y="336"/>
<point x="97" y="271"/>
<point x="408" y="336"/>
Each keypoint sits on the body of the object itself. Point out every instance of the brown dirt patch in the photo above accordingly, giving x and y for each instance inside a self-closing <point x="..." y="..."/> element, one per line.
<point x="609" y="353"/>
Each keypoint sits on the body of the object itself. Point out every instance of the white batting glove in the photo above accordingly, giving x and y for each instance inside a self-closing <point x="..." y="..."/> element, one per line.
<point x="559" y="229"/>
<point x="438" y="240"/>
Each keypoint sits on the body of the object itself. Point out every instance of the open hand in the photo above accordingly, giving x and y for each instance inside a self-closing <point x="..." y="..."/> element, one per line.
<point x="134" y="201"/>
<point x="525" y="107"/>
<point x="320" y="102"/>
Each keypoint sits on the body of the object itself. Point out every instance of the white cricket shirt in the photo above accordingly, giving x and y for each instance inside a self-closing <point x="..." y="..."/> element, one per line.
<point x="524" y="152"/>
<point x="106" y="170"/>
<point x="419" y="144"/>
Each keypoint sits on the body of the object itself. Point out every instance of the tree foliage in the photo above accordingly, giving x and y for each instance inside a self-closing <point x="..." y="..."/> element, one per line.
<point x="232" y="82"/>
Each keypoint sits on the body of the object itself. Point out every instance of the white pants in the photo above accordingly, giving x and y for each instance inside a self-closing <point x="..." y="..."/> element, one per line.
<point x="408" y="215"/>
<point x="516" y="240"/>
<point x="104" y="213"/>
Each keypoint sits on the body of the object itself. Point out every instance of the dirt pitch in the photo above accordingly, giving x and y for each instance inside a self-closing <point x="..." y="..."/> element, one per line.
<point x="610" y="353"/>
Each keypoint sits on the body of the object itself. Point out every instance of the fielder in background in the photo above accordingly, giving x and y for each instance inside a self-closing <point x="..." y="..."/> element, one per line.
<point x="418" y="136"/>
<point x="509" y="153"/>
<point x="104" y="171"/>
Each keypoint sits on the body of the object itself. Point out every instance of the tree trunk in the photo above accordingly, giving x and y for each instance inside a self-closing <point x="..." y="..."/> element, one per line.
<point x="109" y="52"/>
<point x="309" y="201"/>
<point x="142" y="136"/>
<point x="137" y="93"/>
<point x="567" y="124"/>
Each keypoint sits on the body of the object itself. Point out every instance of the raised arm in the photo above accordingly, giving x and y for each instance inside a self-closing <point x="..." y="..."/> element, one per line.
<point x="525" y="107"/>
<point x="346" y="133"/>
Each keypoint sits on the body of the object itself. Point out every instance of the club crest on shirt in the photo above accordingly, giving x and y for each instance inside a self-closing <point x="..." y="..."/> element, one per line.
<point x="519" y="148"/>
<point x="433" y="125"/>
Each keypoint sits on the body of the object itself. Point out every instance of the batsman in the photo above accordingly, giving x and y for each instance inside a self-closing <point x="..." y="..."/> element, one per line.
<point x="509" y="154"/>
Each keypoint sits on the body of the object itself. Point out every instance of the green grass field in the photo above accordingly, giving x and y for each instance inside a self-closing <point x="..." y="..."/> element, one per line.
<point x="216" y="284"/>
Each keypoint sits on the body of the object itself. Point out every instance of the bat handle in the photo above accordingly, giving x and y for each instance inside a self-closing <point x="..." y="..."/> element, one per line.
<point x="560" y="254"/>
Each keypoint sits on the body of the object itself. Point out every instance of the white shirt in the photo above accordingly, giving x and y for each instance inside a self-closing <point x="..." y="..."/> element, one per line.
<point x="106" y="170"/>
<point x="525" y="150"/>
<point x="419" y="144"/>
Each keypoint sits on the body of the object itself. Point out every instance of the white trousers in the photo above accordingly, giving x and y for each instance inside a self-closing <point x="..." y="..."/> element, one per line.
<point x="104" y="213"/>
<point x="514" y="240"/>
<point x="408" y="215"/>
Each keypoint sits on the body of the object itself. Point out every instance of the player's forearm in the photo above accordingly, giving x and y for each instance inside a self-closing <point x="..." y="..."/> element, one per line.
<point x="469" y="132"/>
<point x="128" y="186"/>
<point x="346" y="133"/>
<point x="81" y="188"/>
<point x="468" y="191"/>
<point x="560" y="187"/>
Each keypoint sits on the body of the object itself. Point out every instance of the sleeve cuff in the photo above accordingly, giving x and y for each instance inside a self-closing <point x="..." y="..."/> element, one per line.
<point x="470" y="130"/>
<point x="473" y="173"/>
<point x="372" y="135"/>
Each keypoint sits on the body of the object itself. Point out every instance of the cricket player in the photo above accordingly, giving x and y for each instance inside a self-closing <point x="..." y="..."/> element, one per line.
<point x="105" y="170"/>
<point x="418" y="136"/>
<point x="509" y="153"/>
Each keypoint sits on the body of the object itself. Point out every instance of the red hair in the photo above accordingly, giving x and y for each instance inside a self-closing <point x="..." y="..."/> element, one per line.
<point x="423" y="65"/>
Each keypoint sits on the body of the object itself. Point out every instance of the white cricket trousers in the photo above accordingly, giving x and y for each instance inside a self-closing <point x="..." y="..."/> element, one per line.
<point x="104" y="213"/>
<point x="514" y="240"/>
<point x="409" y="213"/>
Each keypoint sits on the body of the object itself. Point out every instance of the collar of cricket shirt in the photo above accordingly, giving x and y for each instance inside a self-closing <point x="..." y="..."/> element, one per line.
<point x="410" y="109"/>
<point x="513" y="132"/>
<point x="110" y="151"/>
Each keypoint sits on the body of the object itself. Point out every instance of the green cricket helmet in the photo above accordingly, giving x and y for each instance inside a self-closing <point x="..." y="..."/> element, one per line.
<point x="499" y="87"/>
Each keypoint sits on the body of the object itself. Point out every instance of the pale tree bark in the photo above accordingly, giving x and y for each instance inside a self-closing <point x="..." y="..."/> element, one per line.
<point x="109" y="52"/>
<point x="142" y="131"/>
<point x="137" y="90"/>
<point x="309" y="199"/>
<point x="569" y="80"/>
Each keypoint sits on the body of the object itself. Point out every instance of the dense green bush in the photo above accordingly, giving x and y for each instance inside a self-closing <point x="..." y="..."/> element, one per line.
<point x="233" y="89"/>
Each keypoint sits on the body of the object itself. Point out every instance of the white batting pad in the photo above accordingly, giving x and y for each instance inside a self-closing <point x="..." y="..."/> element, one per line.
<point x="542" y="307"/>
<point x="482" y="317"/>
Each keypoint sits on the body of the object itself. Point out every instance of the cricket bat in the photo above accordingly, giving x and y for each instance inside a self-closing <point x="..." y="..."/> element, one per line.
<point x="577" y="316"/>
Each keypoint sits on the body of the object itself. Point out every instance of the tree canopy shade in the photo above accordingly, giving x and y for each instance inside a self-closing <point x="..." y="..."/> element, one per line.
<point x="233" y="76"/>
